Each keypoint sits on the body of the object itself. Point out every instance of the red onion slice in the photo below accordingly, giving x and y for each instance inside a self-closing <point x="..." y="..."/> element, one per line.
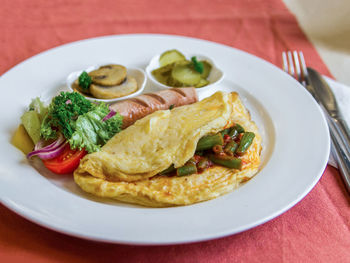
<point x="39" y="144"/>
<point x="50" y="150"/>
<point x="109" y="115"/>
<point x="53" y="153"/>
<point x="53" y="145"/>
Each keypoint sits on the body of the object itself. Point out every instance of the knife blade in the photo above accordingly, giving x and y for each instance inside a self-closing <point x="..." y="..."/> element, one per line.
<point x="339" y="131"/>
<point x="324" y="92"/>
<point x="327" y="99"/>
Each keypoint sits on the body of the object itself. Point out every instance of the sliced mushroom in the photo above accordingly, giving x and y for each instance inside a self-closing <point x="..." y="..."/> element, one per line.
<point x="108" y="75"/>
<point x="102" y="92"/>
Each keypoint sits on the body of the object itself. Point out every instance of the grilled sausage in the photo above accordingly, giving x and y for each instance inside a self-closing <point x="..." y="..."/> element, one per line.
<point x="142" y="105"/>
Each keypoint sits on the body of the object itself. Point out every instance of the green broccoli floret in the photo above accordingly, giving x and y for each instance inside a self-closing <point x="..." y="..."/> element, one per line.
<point x="84" y="80"/>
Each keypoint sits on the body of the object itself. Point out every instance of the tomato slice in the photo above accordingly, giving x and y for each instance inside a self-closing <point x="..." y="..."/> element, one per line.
<point x="66" y="162"/>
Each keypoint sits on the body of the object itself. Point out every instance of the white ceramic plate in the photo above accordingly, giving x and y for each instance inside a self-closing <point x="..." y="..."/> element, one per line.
<point x="138" y="73"/>
<point x="295" y="147"/>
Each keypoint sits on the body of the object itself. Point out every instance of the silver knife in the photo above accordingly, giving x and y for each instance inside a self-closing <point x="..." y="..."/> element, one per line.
<point x="339" y="131"/>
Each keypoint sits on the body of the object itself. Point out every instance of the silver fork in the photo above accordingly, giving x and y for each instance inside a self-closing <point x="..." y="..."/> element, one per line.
<point x="294" y="64"/>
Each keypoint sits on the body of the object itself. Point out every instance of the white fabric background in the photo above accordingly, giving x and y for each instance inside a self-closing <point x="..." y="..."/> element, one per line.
<point x="327" y="25"/>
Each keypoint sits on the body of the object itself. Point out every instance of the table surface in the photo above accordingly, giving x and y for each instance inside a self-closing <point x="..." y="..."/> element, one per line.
<point x="314" y="230"/>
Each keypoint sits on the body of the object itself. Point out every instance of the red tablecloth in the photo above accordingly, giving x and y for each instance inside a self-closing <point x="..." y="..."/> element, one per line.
<point x="315" y="230"/>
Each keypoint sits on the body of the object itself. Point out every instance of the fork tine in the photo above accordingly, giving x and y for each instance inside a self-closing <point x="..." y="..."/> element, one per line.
<point x="294" y="64"/>
<point x="297" y="65"/>
<point x="290" y="63"/>
<point x="303" y="68"/>
<point x="284" y="61"/>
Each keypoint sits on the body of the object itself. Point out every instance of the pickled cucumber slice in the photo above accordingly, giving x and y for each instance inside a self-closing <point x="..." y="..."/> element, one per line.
<point x="108" y="75"/>
<point x="203" y="82"/>
<point x="185" y="74"/>
<point x="165" y="70"/>
<point x="206" y="69"/>
<point x="162" y="74"/>
<point x="176" y="71"/>
<point x="170" y="56"/>
<point x="174" y="83"/>
<point x="162" y="78"/>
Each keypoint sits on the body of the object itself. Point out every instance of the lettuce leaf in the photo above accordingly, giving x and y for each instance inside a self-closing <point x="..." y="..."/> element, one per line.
<point x="38" y="106"/>
<point x="79" y="120"/>
<point x="91" y="132"/>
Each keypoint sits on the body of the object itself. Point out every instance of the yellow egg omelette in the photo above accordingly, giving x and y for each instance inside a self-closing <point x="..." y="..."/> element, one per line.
<point x="129" y="167"/>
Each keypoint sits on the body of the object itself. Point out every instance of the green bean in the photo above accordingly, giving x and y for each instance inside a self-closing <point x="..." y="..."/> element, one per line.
<point x="191" y="161"/>
<point x="245" y="142"/>
<point x="229" y="162"/>
<point x="233" y="133"/>
<point x="235" y="130"/>
<point x="231" y="147"/>
<point x="209" y="141"/>
<point x="226" y="131"/>
<point x="187" y="169"/>
<point x="203" y="163"/>
<point x="170" y="169"/>
<point x="239" y="128"/>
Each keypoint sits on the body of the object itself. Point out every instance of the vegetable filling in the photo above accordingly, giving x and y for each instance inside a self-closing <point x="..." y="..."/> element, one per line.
<point x="223" y="149"/>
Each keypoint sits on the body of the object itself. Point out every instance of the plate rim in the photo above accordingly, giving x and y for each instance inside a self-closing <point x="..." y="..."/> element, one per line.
<point x="33" y="219"/>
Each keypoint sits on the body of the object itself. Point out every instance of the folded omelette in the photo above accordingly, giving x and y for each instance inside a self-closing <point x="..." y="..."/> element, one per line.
<point x="127" y="168"/>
